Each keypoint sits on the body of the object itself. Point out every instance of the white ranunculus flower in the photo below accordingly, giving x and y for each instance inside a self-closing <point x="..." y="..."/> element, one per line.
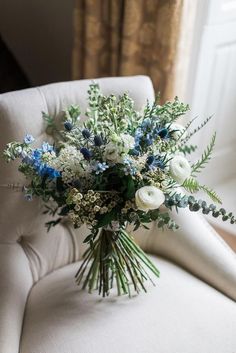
<point x="180" y="169"/>
<point x="112" y="153"/>
<point x="149" y="198"/>
<point x="178" y="131"/>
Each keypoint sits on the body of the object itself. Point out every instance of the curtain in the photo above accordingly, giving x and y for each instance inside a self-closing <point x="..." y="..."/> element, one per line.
<point x="127" y="37"/>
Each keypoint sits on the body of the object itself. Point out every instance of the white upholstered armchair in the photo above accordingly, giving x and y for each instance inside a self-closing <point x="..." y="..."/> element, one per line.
<point x="191" y="309"/>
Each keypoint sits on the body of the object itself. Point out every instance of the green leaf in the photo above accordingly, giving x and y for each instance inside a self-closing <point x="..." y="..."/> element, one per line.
<point x="89" y="238"/>
<point x="193" y="186"/>
<point x="211" y="193"/>
<point x="187" y="149"/>
<point x="107" y="218"/>
<point x="130" y="187"/>
<point x="205" y="158"/>
<point x="196" y="129"/>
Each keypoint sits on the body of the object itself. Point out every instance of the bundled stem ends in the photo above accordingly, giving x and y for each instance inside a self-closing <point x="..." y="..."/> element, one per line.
<point x="114" y="257"/>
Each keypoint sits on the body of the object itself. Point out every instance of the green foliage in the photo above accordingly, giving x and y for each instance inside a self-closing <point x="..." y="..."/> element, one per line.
<point x="198" y="128"/>
<point x="130" y="187"/>
<point x="193" y="186"/>
<point x="107" y="218"/>
<point x="115" y="257"/>
<point x="72" y="114"/>
<point x="53" y="223"/>
<point x="205" y="158"/>
<point x="211" y="193"/>
<point x="187" y="149"/>
<point x="171" y="111"/>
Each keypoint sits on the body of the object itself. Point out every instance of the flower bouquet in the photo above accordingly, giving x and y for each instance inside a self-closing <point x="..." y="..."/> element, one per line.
<point x="118" y="167"/>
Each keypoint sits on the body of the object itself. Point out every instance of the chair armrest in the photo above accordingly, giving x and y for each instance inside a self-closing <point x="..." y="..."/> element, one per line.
<point x="15" y="283"/>
<point x="197" y="247"/>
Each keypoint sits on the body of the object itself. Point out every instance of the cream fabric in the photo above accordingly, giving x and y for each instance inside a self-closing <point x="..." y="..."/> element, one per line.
<point x="180" y="315"/>
<point x="30" y="259"/>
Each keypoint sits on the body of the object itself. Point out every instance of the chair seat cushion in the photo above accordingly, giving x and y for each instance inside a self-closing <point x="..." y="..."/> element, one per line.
<point x="180" y="315"/>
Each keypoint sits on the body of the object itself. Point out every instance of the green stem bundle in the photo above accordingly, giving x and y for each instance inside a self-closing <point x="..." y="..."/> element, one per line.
<point x="115" y="257"/>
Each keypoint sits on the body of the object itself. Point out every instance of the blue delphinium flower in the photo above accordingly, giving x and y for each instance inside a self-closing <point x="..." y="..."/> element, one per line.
<point x="129" y="169"/>
<point x="98" y="141"/>
<point x="28" y="139"/>
<point x="86" y="153"/>
<point x="100" y="167"/>
<point x="46" y="147"/>
<point x="86" y="133"/>
<point x="35" y="160"/>
<point x="68" y="125"/>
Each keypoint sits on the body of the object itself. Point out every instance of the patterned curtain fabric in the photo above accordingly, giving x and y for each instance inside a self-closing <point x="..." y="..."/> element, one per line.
<point x="127" y="37"/>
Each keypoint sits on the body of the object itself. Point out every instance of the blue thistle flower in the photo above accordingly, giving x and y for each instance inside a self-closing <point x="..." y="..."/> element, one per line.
<point x="148" y="140"/>
<point x="68" y="125"/>
<point x="28" y="139"/>
<point x="86" y="133"/>
<point x="163" y="133"/>
<point x="98" y="141"/>
<point x="86" y="153"/>
<point x="153" y="163"/>
<point x="150" y="159"/>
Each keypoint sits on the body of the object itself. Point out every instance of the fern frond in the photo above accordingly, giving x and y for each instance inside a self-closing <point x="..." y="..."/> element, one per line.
<point x="187" y="149"/>
<point x="196" y="129"/>
<point x="187" y="126"/>
<point x="211" y="193"/>
<point x="193" y="186"/>
<point x="205" y="158"/>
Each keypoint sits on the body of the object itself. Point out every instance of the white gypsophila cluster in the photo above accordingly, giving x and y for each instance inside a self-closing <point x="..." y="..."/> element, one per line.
<point x="69" y="162"/>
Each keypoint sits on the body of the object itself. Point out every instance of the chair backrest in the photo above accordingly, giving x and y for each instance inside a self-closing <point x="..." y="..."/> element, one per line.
<point x="20" y="113"/>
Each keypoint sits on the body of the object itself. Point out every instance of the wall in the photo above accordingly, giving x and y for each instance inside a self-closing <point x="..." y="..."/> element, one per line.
<point x="40" y="35"/>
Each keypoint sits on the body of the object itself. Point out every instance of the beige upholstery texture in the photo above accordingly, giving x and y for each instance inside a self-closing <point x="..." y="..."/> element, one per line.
<point x="190" y="310"/>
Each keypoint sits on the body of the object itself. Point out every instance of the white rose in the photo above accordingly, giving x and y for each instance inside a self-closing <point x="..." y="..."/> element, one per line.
<point x="128" y="141"/>
<point x="179" y="131"/>
<point x="149" y="198"/>
<point x="180" y="169"/>
<point x="112" y="153"/>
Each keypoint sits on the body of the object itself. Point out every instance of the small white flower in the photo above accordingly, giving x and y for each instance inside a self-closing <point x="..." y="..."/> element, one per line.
<point x="69" y="163"/>
<point x="149" y="198"/>
<point x="180" y="169"/>
<point x="128" y="141"/>
<point x="112" y="153"/>
<point x="177" y="131"/>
